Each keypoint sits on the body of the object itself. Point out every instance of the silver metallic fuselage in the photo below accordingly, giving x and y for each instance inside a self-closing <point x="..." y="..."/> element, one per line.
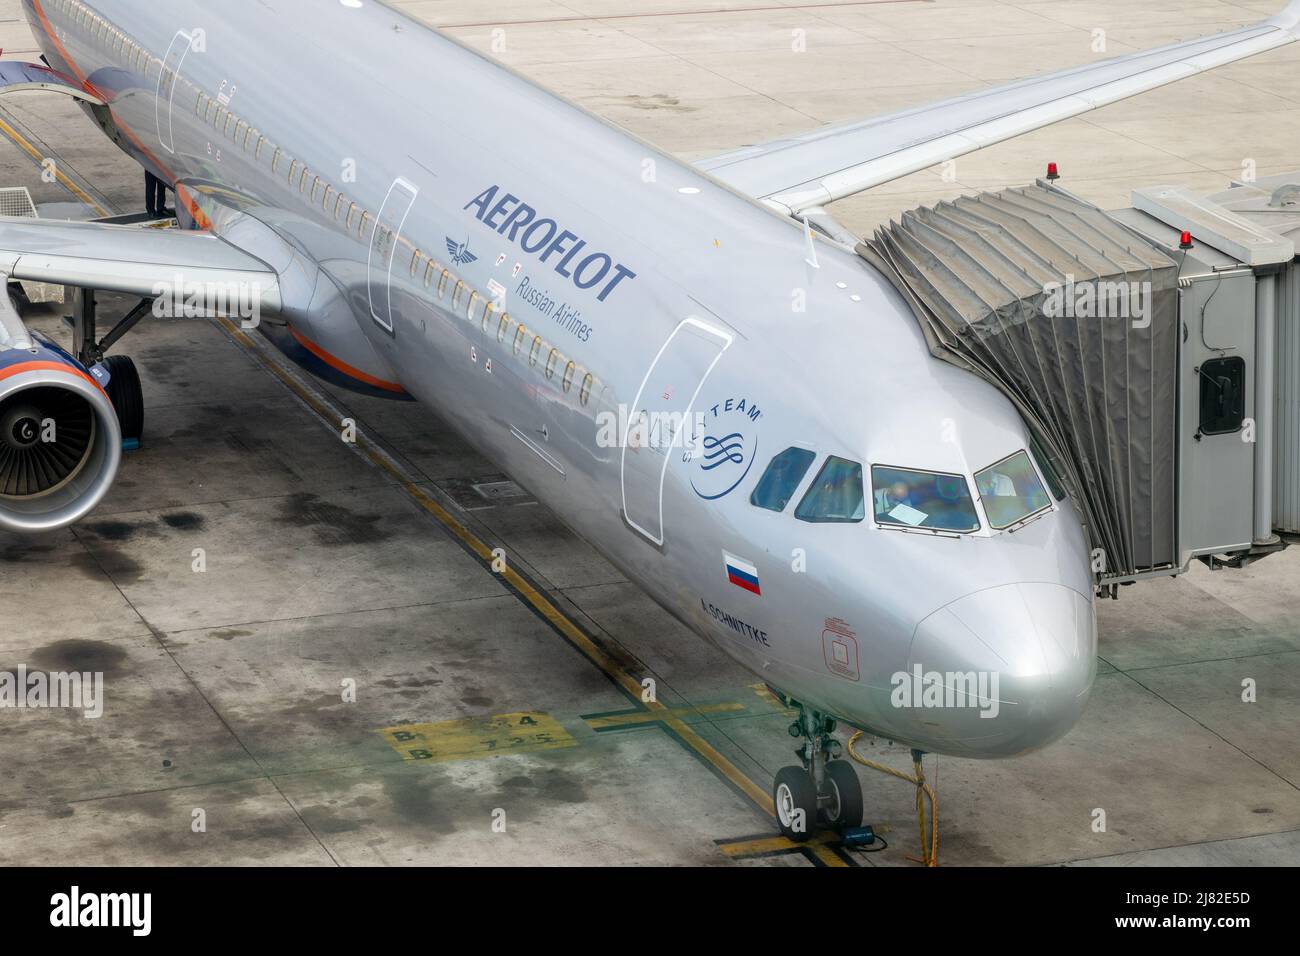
<point x="365" y="89"/>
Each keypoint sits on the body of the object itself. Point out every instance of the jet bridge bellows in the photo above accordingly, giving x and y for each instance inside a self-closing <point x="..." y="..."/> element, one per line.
<point x="1075" y="318"/>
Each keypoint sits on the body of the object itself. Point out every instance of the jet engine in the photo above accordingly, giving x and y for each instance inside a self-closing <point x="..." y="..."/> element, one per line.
<point x="60" y="441"/>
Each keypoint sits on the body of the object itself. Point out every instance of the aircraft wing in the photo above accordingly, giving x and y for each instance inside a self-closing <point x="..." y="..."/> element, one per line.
<point x="139" y="261"/>
<point x="819" y="167"/>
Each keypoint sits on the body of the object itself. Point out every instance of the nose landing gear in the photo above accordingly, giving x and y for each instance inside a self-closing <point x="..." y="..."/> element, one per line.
<point x="825" y="790"/>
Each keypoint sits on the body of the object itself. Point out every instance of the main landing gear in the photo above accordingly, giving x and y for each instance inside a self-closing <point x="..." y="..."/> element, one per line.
<point x="825" y="790"/>
<point x="155" y="197"/>
<point x="123" y="385"/>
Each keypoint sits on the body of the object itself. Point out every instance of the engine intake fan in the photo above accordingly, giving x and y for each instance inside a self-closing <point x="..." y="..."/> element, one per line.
<point x="60" y="443"/>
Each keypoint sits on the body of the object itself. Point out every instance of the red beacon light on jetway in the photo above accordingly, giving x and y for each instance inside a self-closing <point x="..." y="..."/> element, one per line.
<point x="1053" y="174"/>
<point x="1185" y="241"/>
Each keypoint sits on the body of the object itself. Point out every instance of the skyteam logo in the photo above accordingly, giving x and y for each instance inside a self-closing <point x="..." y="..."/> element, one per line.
<point x="725" y="452"/>
<point x="459" y="252"/>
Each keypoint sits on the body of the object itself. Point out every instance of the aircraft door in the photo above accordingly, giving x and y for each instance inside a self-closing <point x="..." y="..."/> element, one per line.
<point x="167" y="82"/>
<point x="659" y="425"/>
<point x="384" y="242"/>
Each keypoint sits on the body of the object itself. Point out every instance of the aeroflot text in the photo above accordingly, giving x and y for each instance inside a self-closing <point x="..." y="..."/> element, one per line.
<point x="565" y="251"/>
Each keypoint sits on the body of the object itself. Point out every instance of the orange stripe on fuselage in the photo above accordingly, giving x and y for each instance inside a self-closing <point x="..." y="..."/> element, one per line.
<point x="341" y="366"/>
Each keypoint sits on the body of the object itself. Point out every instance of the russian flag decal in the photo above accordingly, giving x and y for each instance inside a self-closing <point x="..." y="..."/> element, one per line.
<point x="741" y="573"/>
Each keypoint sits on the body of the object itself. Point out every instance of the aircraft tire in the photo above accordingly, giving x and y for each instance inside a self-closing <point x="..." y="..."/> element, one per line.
<point x="126" y="394"/>
<point x="796" y="803"/>
<point x="843" y="786"/>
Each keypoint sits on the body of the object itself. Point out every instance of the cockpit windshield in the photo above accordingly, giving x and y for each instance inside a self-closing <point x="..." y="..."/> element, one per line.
<point x="1011" y="491"/>
<point x="922" y="499"/>
<point x="835" y="494"/>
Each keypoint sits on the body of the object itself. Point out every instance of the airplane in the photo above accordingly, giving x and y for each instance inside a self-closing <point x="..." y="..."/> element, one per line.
<point x="689" y="364"/>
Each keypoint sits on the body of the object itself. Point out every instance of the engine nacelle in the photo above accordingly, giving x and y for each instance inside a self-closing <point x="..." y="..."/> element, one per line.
<point x="60" y="442"/>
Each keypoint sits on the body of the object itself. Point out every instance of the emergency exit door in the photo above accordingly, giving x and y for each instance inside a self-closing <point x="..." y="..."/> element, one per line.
<point x="659" y="423"/>
<point x="166" y="93"/>
<point x="384" y="242"/>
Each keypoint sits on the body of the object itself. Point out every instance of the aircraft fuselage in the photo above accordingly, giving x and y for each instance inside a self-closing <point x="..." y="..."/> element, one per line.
<point x="448" y="231"/>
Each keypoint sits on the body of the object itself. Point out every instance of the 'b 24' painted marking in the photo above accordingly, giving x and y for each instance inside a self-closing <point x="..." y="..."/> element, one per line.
<point x="476" y="737"/>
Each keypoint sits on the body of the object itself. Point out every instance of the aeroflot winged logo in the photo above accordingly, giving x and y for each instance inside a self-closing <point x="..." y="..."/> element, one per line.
<point x="566" y="252"/>
<point x="459" y="252"/>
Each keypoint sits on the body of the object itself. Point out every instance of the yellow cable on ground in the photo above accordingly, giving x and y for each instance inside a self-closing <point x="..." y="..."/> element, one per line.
<point x="930" y="854"/>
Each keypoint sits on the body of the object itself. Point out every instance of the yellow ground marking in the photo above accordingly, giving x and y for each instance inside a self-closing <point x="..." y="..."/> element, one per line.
<point x="22" y="143"/>
<point x="827" y="857"/>
<point x="819" y="845"/>
<point x="479" y="737"/>
<point x="539" y="601"/>
<point x="763" y="691"/>
<point x="635" y="718"/>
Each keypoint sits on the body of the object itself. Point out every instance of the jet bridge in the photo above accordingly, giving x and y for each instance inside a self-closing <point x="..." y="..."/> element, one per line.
<point x="1131" y="354"/>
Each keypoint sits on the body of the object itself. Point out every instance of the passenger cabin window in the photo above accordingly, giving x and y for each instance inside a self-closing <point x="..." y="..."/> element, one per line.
<point x="907" y="498"/>
<point x="776" y="487"/>
<point x="1011" y="491"/>
<point x="835" y="495"/>
<point x="1223" y="395"/>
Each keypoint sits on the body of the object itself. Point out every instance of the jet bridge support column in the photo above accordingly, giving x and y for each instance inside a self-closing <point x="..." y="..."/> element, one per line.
<point x="1265" y="404"/>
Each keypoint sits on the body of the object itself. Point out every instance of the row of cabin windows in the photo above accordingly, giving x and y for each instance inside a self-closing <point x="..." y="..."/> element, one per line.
<point x="332" y="200"/>
<point x="114" y="40"/>
<point x="309" y="184"/>
<point x="492" y="320"/>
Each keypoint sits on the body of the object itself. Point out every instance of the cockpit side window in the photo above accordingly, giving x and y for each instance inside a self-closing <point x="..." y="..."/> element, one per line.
<point x="835" y="494"/>
<point x="922" y="499"/>
<point x="1048" y="467"/>
<point x="1011" y="491"/>
<point x="782" y="477"/>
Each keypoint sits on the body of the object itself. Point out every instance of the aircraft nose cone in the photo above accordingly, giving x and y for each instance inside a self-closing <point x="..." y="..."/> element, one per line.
<point x="1033" y="650"/>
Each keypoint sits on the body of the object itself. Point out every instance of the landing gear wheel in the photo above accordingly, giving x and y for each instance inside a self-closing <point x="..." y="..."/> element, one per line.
<point x="796" y="803"/>
<point x="845" y="792"/>
<point x="127" y="397"/>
